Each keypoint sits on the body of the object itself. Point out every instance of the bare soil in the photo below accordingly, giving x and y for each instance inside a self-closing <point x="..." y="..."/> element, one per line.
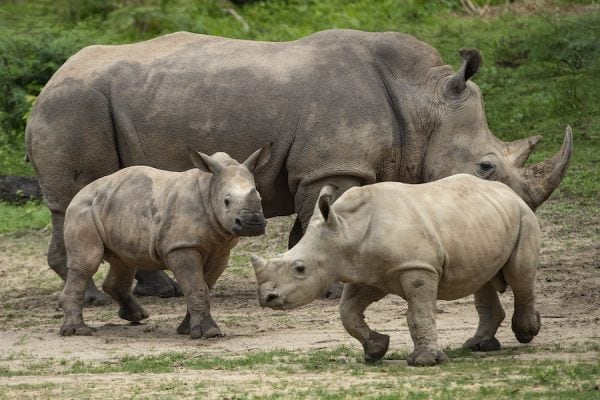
<point x="568" y="287"/>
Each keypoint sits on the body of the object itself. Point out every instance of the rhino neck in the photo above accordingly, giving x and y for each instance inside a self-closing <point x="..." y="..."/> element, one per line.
<point x="205" y="192"/>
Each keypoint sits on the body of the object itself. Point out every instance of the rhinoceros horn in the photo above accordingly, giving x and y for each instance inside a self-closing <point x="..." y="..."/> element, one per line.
<point x="542" y="178"/>
<point x="518" y="151"/>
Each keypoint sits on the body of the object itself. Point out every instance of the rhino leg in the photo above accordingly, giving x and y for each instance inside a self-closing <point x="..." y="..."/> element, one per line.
<point x="420" y="291"/>
<point x="355" y="300"/>
<point x="519" y="272"/>
<point x="187" y="266"/>
<point x="491" y="314"/>
<point x="57" y="260"/>
<point x="210" y="277"/>
<point x="156" y="283"/>
<point x="84" y="258"/>
<point x="305" y="199"/>
<point x="117" y="284"/>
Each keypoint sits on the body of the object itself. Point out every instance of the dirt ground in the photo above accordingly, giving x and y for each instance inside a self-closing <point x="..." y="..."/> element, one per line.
<point x="568" y="288"/>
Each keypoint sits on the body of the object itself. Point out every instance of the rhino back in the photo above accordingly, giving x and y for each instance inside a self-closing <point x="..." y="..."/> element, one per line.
<point x="465" y="227"/>
<point x="314" y="98"/>
<point x="132" y="207"/>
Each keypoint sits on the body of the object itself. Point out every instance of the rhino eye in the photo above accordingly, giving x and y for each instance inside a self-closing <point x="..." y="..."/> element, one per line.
<point x="298" y="269"/>
<point x="486" y="169"/>
<point x="227" y="202"/>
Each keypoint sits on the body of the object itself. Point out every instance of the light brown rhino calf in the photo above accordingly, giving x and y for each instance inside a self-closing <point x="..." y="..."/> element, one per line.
<point x="187" y="222"/>
<point x="440" y="240"/>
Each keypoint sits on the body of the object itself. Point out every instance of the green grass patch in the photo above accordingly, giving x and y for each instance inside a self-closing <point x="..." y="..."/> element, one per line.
<point x="32" y="215"/>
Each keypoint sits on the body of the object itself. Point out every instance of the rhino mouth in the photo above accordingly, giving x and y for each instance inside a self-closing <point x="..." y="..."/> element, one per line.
<point x="249" y="228"/>
<point x="273" y="301"/>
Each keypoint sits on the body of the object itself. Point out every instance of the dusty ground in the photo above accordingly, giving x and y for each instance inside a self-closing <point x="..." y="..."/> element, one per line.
<point x="568" y="288"/>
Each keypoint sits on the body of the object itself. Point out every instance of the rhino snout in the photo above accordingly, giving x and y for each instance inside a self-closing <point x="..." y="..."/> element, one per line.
<point x="249" y="224"/>
<point x="269" y="297"/>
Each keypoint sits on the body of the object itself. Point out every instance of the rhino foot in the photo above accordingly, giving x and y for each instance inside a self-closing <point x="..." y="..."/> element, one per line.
<point x="77" y="330"/>
<point x="156" y="283"/>
<point x="208" y="328"/>
<point x="184" y="326"/>
<point x="133" y="313"/>
<point x="482" y="344"/>
<point x="526" y="330"/>
<point x="334" y="291"/>
<point x="424" y="356"/>
<point x="95" y="297"/>
<point x="376" y="346"/>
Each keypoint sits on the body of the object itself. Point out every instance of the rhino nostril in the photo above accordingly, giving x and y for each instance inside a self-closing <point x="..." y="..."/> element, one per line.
<point x="238" y="221"/>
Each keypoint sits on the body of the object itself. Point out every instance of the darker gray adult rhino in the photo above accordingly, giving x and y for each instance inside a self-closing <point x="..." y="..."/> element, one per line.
<point x="341" y="107"/>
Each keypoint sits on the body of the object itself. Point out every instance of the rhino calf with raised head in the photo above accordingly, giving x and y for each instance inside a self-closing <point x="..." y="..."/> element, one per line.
<point x="440" y="240"/>
<point x="139" y="216"/>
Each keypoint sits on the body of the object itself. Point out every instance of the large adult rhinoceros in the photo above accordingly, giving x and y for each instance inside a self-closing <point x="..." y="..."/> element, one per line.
<point x="341" y="107"/>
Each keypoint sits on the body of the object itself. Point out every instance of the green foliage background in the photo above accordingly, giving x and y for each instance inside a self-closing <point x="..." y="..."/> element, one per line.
<point x="541" y="69"/>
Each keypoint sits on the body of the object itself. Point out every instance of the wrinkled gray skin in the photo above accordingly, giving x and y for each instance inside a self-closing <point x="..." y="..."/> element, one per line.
<point x="440" y="240"/>
<point x="341" y="107"/>
<point x="142" y="217"/>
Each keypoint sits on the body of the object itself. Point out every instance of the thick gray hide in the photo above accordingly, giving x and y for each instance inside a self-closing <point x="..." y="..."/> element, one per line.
<point x="340" y="106"/>
<point x="440" y="240"/>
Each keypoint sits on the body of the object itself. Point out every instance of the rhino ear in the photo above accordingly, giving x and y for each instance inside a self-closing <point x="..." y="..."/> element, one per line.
<point x="204" y="162"/>
<point x="258" y="158"/>
<point x="324" y="204"/>
<point x="472" y="60"/>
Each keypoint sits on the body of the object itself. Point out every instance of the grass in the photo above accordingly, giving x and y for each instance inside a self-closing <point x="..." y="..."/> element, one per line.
<point x="32" y="215"/>
<point x="340" y="373"/>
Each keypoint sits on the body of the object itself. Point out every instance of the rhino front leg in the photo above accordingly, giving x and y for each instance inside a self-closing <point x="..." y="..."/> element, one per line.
<point x="420" y="291"/>
<point x="187" y="266"/>
<point x="210" y="277"/>
<point x="118" y="285"/>
<point x="57" y="260"/>
<point x="355" y="300"/>
<point x="491" y="314"/>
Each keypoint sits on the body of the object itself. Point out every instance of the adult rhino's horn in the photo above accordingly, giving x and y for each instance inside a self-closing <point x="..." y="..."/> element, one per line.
<point x="542" y="178"/>
<point x="472" y="61"/>
<point x="518" y="151"/>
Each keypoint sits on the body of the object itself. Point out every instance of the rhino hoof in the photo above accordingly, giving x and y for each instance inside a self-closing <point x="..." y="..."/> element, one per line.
<point x="76" y="330"/>
<point x="376" y="346"/>
<point x="208" y="332"/>
<point x="525" y="333"/>
<point x="424" y="357"/>
<point x="96" y="298"/>
<point x="133" y="314"/>
<point x="482" y="344"/>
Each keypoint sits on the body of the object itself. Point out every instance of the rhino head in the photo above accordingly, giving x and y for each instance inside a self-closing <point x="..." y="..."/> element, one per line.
<point x="460" y="140"/>
<point x="235" y="201"/>
<point x="302" y="274"/>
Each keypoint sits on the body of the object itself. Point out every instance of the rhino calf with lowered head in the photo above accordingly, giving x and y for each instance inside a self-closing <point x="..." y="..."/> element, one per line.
<point x="441" y="240"/>
<point x="139" y="216"/>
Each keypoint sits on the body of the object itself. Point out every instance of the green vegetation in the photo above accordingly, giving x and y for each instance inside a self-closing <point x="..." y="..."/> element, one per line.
<point x="32" y="215"/>
<point x="540" y="72"/>
<point x="482" y="375"/>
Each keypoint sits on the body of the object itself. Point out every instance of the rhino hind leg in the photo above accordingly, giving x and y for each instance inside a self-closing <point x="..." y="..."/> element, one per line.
<point x="118" y="284"/>
<point x="491" y="314"/>
<point x="57" y="260"/>
<point x="83" y="261"/>
<point x="355" y="300"/>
